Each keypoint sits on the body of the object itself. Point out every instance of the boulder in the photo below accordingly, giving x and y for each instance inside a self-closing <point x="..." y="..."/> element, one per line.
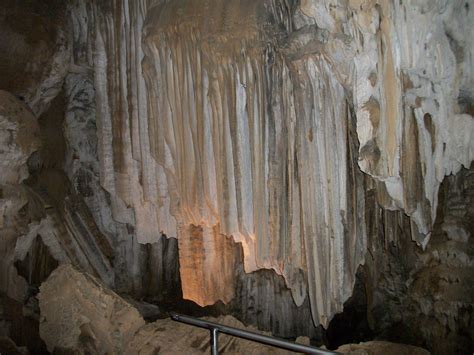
<point x="381" y="347"/>
<point x="166" y="336"/>
<point x="79" y="314"/>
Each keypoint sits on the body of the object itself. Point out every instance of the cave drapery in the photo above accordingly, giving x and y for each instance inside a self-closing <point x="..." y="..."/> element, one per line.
<point x="313" y="133"/>
<point x="238" y="119"/>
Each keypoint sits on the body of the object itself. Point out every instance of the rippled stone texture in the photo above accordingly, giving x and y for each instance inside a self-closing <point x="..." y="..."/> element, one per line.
<point x="251" y="119"/>
<point x="314" y="133"/>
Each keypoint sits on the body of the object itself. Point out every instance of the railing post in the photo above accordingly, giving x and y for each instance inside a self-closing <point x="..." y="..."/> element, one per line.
<point x="214" y="344"/>
<point x="216" y="328"/>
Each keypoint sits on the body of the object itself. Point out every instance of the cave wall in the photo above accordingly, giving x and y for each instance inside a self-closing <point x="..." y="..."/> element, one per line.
<point x="282" y="143"/>
<point x="235" y="120"/>
<point x="425" y="297"/>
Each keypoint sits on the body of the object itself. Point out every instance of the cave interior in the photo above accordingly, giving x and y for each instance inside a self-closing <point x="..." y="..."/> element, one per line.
<point x="296" y="168"/>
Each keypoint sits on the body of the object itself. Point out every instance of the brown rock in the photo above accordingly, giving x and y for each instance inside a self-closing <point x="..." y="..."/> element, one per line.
<point x="381" y="347"/>
<point x="169" y="337"/>
<point x="79" y="314"/>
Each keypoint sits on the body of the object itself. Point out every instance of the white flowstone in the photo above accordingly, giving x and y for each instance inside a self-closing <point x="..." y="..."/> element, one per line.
<point x="236" y="119"/>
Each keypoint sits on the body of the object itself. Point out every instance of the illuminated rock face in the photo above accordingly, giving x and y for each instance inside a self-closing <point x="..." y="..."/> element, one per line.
<point x="251" y="120"/>
<point x="80" y="314"/>
<point x="412" y="83"/>
<point x="248" y="137"/>
<point x="296" y="138"/>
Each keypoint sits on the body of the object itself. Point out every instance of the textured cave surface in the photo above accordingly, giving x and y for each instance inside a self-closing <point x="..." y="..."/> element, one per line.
<point x="302" y="165"/>
<point x="93" y="319"/>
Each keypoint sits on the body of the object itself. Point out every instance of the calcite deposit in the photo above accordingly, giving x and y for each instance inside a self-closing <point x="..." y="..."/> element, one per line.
<point x="251" y="119"/>
<point x="253" y="156"/>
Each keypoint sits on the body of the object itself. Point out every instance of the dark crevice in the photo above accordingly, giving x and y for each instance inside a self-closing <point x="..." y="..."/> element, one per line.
<point x="352" y="325"/>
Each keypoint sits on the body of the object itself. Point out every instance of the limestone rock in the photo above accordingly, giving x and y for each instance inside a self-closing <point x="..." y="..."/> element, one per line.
<point x="35" y="50"/>
<point x="169" y="337"/>
<point x="381" y="347"/>
<point x="213" y="157"/>
<point x="19" y="327"/>
<point x="425" y="297"/>
<point x="248" y="120"/>
<point x="314" y="133"/>
<point x="79" y="314"/>
<point x="19" y="138"/>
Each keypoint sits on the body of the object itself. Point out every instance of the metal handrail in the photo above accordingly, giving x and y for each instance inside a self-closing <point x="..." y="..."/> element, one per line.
<point x="216" y="328"/>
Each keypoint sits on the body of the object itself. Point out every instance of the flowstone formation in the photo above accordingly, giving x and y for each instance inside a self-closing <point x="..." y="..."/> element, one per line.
<point x="263" y="158"/>
<point x="251" y="120"/>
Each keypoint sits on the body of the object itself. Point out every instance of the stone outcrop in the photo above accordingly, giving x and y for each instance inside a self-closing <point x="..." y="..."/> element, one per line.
<point x="381" y="347"/>
<point x="169" y="337"/>
<point x="78" y="313"/>
<point x="19" y="138"/>
<point x="426" y="297"/>
<point x="19" y="327"/>
<point x="7" y="346"/>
